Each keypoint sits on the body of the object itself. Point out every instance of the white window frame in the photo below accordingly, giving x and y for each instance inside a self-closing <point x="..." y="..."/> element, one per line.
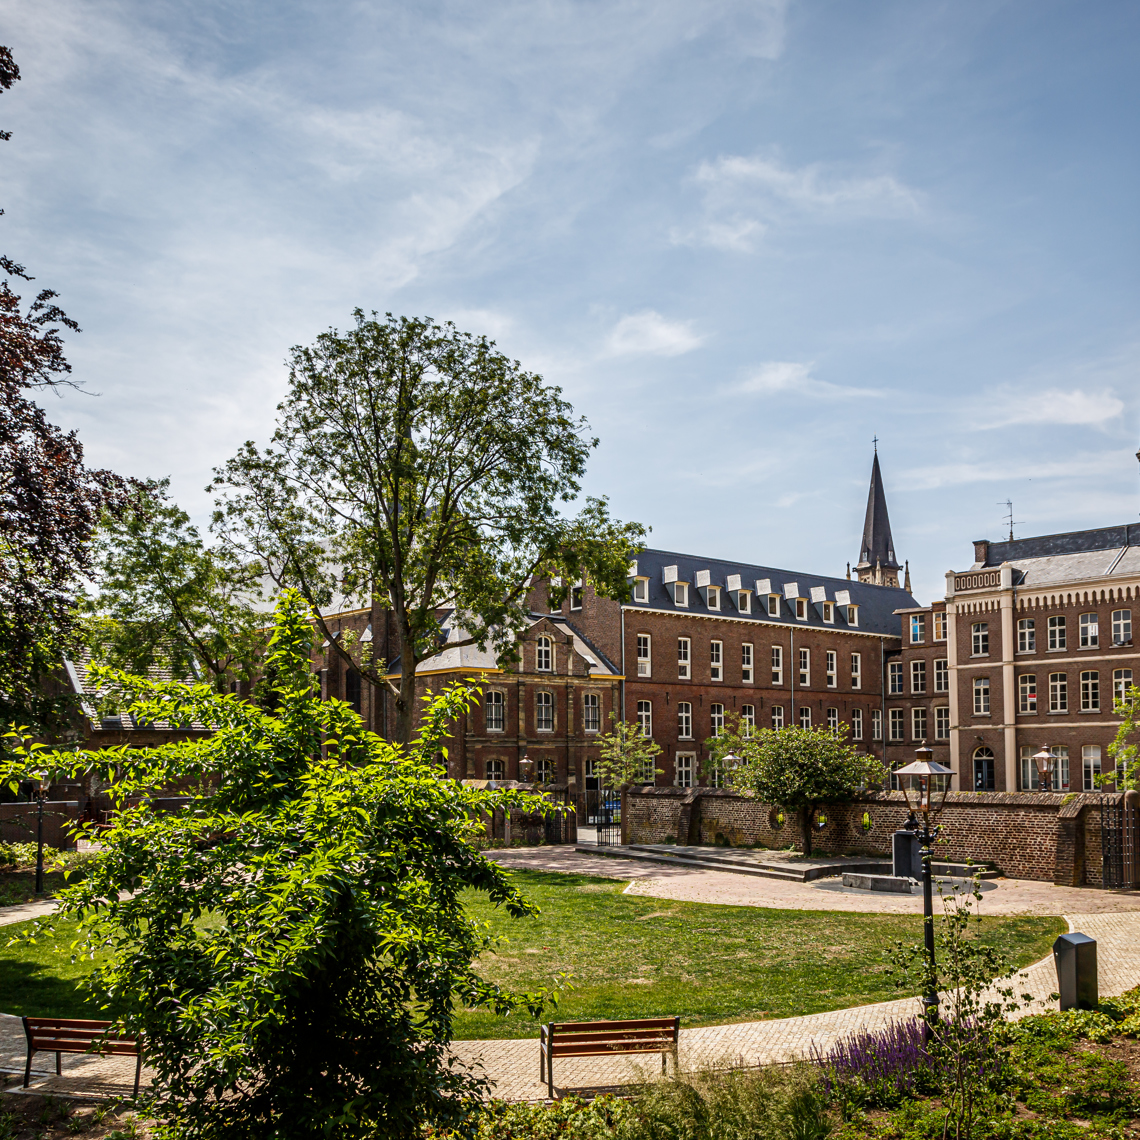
<point x="544" y="654"/>
<point x="918" y="676"/>
<point x="898" y="725"/>
<point x="1090" y="690"/>
<point x="490" y="703"/>
<point x="684" y="658"/>
<point x="805" y="716"/>
<point x="980" y="639"/>
<point x="1058" y="692"/>
<point x="591" y="701"/>
<point x="856" y="724"/>
<point x="540" y="703"/>
<point x="942" y="675"/>
<point x="495" y="769"/>
<point x="1026" y="635"/>
<point x="895" y="670"/>
<point x="940" y="625"/>
<point x="544" y="770"/>
<point x="681" y="594"/>
<point x="918" y="723"/>
<point x="1121" y="683"/>
<point x="645" y="717"/>
<point x="853" y="616"/>
<point x="981" y="696"/>
<point x="876" y="724"/>
<point x="747" y="720"/>
<point x="831" y="671"/>
<point x="716" y="718"/>
<point x="1027" y="694"/>
<point x="577" y="592"/>
<point x="777" y="717"/>
<point x="805" y="668"/>
<point x="856" y="670"/>
<point x="777" y="664"/>
<point x="1090" y="766"/>
<point x="746" y="657"/>
<point x="829" y="612"/>
<point x="641" y="589"/>
<point x="942" y="722"/>
<point x="801" y="609"/>
<point x="713" y="599"/>
<point x="645" y="655"/>
<point x="773" y="605"/>
<point x="684" y="720"/>
<point x="1121" y="627"/>
<point x="833" y="721"/>
<point x="1058" y="633"/>
<point x="716" y="660"/>
<point x="684" y="765"/>
<point x="917" y="629"/>
<point x="1090" y="631"/>
<point x="744" y="601"/>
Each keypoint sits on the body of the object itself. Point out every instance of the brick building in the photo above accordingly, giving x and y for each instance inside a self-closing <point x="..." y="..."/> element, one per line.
<point x="1028" y="649"/>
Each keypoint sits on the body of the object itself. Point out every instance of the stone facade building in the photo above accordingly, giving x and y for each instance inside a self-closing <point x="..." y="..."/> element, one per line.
<point x="1027" y="650"/>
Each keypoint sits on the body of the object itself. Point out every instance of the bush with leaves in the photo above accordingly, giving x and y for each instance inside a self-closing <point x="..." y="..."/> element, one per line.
<point x="292" y="943"/>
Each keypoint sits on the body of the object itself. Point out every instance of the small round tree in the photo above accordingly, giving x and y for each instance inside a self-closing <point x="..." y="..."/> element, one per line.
<point x="797" y="768"/>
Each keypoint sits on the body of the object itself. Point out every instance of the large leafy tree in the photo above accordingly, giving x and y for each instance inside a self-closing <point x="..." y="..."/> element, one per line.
<point x="1125" y="749"/>
<point x="50" y="502"/>
<point x="166" y="599"/>
<point x="419" y="469"/>
<point x="796" y="768"/>
<point x="293" y="942"/>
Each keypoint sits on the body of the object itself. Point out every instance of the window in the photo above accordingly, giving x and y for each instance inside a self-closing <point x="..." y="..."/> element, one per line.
<point x="981" y="641"/>
<point x="1058" y="769"/>
<point x="576" y="592"/>
<point x="543" y="655"/>
<point x="917" y="629"/>
<point x="716" y="649"/>
<point x="645" y="717"/>
<point x="942" y="675"/>
<point x="641" y="589"/>
<point x="1058" y="693"/>
<point x="918" y="724"/>
<point x="746" y="663"/>
<point x="898" y="724"/>
<point x="494" y="711"/>
<point x="747" y="719"/>
<point x="716" y="715"/>
<point x="1057" y="633"/>
<point x="1090" y="691"/>
<point x="1026" y="636"/>
<point x="644" y="652"/>
<point x="1121" y="627"/>
<point x="829" y="611"/>
<point x="801" y="609"/>
<point x="714" y="597"/>
<point x="856" y="670"/>
<point x="805" y="668"/>
<point x="983" y="770"/>
<point x="683" y="770"/>
<point x="777" y="716"/>
<point x="831" y="669"/>
<point x="1027" y="693"/>
<point x="918" y="676"/>
<point x="680" y="593"/>
<point x="942" y="723"/>
<point x="495" y="770"/>
<point x="777" y="664"/>
<point x="683" y="658"/>
<point x="684" y="720"/>
<point x="1121" y="683"/>
<point x="1090" y="762"/>
<point x="351" y="688"/>
<point x="591" y="712"/>
<point x="852" y="615"/>
<point x="876" y="724"/>
<point x="744" y="601"/>
<point x="544" y="771"/>
<point x="805" y="716"/>
<point x="895" y="672"/>
<point x="833" y="721"/>
<point x="940" y="625"/>
<point x="544" y="712"/>
<point x="773" y="605"/>
<point x="856" y="724"/>
<point x="981" y="696"/>
<point x="1090" y="631"/>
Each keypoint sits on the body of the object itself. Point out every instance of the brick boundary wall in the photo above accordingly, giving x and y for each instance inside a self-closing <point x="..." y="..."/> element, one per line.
<point x="1025" y="835"/>
<point x="18" y="823"/>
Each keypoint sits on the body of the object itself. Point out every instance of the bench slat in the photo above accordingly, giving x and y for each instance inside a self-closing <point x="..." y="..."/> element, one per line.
<point x="592" y="1051"/>
<point x="615" y="1035"/>
<point x="602" y="1026"/>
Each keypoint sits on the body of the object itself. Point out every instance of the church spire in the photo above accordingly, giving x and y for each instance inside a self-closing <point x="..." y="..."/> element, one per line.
<point x="877" y="562"/>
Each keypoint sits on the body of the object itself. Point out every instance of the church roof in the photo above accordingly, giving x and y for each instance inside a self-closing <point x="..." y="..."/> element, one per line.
<point x="878" y="547"/>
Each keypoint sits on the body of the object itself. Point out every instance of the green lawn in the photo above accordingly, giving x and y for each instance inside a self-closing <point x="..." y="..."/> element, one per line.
<point x="630" y="956"/>
<point x="626" y="956"/>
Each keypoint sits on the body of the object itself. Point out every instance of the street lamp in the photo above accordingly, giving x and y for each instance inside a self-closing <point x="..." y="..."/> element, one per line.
<point x="40" y="791"/>
<point x="926" y="783"/>
<point x="526" y="764"/>
<point x="1044" y="762"/>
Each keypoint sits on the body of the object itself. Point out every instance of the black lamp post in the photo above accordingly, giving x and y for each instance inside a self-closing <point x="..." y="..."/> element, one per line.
<point x="1044" y="762"/>
<point x="925" y="784"/>
<point x="41" y="791"/>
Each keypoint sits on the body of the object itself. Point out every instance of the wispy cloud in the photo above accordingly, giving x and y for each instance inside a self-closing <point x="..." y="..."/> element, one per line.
<point x="787" y="376"/>
<point x="1098" y="464"/>
<point x="1054" y="406"/>
<point x="648" y="333"/>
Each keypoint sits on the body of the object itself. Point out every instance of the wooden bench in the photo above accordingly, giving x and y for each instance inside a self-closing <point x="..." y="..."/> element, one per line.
<point x="602" y="1038"/>
<point x="61" y="1035"/>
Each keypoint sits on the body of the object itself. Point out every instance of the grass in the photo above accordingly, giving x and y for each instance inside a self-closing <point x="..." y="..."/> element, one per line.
<point x="20" y="886"/>
<point x="625" y="956"/>
<point x="631" y="956"/>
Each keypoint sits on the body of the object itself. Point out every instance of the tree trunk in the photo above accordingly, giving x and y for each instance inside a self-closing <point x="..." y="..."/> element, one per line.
<point x="805" y="813"/>
<point x="625" y="815"/>
<point x="406" y="702"/>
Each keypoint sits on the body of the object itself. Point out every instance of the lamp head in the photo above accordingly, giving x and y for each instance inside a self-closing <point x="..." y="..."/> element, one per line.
<point x="925" y="783"/>
<point x="1043" y="760"/>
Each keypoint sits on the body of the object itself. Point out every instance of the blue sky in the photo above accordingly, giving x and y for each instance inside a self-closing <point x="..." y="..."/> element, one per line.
<point x="743" y="237"/>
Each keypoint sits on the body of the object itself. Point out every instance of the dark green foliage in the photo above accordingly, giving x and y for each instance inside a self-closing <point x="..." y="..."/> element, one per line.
<point x="292" y="945"/>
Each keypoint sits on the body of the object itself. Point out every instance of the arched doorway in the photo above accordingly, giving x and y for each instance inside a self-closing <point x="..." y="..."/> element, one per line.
<point x="983" y="769"/>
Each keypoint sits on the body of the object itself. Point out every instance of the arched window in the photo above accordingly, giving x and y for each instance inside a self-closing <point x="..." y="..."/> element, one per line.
<point x="543" y="655"/>
<point x="983" y="769"/>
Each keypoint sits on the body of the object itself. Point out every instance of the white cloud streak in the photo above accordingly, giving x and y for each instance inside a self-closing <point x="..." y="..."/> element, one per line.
<point x="1054" y="406"/>
<point x="779" y="377"/>
<point x="1098" y="465"/>
<point x="648" y="333"/>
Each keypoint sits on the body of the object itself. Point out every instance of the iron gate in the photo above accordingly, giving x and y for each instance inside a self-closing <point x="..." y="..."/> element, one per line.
<point x="599" y="817"/>
<point x="1118" y="831"/>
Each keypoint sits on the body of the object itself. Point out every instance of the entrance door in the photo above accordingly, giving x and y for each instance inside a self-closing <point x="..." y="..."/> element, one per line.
<point x="983" y="770"/>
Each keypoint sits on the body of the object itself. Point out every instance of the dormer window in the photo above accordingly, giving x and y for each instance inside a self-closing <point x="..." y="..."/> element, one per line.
<point x="576" y="593"/>
<point x="829" y="612"/>
<point x="678" y="591"/>
<point x="543" y="655"/>
<point x="709" y="592"/>
<point x="641" y="589"/>
<point x="773" y="605"/>
<point x="801" y="609"/>
<point x="741" y="599"/>
<point x="852" y="615"/>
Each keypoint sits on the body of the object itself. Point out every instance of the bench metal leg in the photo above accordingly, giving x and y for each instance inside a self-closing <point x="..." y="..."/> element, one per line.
<point x="138" y="1073"/>
<point x="59" y="1064"/>
<point x="28" y="1068"/>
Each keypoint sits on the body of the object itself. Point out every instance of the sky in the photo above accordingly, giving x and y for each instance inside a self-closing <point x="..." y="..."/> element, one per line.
<point x="745" y="238"/>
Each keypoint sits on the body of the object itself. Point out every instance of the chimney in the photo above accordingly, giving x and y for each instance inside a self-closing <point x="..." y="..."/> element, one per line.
<point x="981" y="550"/>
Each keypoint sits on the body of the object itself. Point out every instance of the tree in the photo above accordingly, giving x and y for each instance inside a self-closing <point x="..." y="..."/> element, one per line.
<point x="166" y="599"/>
<point x="292" y="943"/>
<point x="1124" y="749"/>
<point x="416" y="468"/>
<point x="797" y="768"/>
<point x="49" y="501"/>
<point x="627" y="756"/>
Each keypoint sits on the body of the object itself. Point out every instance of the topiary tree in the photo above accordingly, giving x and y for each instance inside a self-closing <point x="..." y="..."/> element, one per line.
<point x="292" y="943"/>
<point x="797" y="768"/>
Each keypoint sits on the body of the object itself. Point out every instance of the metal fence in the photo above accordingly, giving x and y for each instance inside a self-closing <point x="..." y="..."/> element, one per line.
<point x="1120" y="824"/>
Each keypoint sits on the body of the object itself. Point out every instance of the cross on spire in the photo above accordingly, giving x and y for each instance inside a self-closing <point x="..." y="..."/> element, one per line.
<point x="875" y="441"/>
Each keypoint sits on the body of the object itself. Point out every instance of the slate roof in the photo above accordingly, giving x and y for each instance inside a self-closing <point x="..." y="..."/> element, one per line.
<point x="472" y="658"/>
<point x="876" y="603"/>
<point x="877" y="547"/>
<point x="1053" y="559"/>
<point x="88" y="692"/>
